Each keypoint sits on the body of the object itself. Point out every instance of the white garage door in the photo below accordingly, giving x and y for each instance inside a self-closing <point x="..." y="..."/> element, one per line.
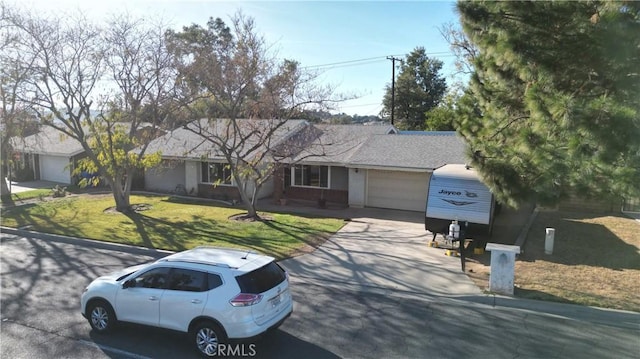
<point x="55" y="169"/>
<point x="397" y="190"/>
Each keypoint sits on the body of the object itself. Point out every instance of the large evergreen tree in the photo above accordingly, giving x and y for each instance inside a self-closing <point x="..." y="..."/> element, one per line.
<point x="419" y="87"/>
<point x="553" y="107"/>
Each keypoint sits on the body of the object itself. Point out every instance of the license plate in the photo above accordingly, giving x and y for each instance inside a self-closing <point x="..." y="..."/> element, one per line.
<point x="276" y="300"/>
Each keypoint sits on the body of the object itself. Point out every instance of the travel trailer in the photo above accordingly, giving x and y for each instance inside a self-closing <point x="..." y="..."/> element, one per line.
<point x="457" y="194"/>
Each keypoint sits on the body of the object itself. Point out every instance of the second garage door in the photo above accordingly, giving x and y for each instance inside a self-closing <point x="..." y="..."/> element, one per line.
<point x="55" y="169"/>
<point x="397" y="190"/>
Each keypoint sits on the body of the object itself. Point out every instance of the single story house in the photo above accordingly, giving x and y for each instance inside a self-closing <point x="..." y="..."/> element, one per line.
<point x="51" y="155"/>
<point x="48" y="155"/>
<point x="192" y="165"/>
<point x="352" y="165"/>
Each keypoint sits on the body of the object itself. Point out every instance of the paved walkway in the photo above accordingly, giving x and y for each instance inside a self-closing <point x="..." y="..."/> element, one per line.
<point x="17" y="187"/>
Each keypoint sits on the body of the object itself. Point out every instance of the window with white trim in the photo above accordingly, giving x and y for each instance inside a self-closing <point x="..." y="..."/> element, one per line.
<point x="215" y="173"/>
<point x="310" y="176"/>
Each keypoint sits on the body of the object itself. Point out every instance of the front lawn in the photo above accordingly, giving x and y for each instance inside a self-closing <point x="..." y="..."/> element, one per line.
<point x="170" y="224"/>
<point x="595" y="261"/>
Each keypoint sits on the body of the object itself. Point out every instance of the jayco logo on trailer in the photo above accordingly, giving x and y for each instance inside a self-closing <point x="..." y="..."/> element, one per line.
<point x="458" y="193"/>
<point x="450" y="193"/>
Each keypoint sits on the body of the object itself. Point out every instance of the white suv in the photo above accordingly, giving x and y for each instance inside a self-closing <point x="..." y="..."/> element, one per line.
<point x="214" y="294"/>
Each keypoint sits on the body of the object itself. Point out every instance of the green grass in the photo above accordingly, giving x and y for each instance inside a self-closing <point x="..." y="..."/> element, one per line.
<point x="36" y="193"/>
<point x="169" y="224"/>
<point x="39" y="193"/>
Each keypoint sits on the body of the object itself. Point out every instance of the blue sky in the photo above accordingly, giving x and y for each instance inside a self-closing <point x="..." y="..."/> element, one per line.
<point x="313" y="33"/>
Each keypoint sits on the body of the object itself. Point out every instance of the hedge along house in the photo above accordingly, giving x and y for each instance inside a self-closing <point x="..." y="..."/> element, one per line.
<point x="194" y="165"/>
<point x="48" y="155"/>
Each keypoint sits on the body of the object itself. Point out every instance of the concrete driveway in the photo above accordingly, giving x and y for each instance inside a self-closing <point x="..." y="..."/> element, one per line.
<point x="387" y="255"/>
<point x="17" y="187"/>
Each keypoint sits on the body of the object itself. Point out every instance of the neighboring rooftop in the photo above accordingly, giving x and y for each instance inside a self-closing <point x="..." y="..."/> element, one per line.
<point x="48" y="141"/>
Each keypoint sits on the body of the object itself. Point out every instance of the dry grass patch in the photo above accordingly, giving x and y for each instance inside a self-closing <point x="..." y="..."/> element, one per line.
<point x="596" y="261"/>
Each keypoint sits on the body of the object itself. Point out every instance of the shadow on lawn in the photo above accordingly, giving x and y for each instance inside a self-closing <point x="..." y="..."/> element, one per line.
<point x="578" y="242"/>
<point x="177" y="235"/>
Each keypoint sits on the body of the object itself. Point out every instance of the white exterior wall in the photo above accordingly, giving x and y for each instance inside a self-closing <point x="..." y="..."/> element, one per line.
<point x="192" y="175"/>
<point x="55" y="169"/>
<point x="357" y="187"/>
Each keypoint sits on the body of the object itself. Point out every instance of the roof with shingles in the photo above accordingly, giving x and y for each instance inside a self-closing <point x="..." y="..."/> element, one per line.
<point x="185" y="143"/>
<point x="377" y="146"/>
<point x="337" y="143"/>
<point x="48" y="141"/>
<point x="427" y="151"/>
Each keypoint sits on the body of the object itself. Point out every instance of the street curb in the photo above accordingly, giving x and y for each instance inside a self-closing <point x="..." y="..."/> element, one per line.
<point x="603" y="316"/>
<point x="155" y="253"/>
<point x="611" y="317"/>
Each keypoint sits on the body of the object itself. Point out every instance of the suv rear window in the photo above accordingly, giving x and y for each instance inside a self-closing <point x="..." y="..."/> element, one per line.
<point x="261" y="279"/>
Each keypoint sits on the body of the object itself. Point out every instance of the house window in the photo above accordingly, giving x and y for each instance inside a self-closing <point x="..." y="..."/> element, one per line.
<point x="216" y="173"/>
<point x="310" y="176"/>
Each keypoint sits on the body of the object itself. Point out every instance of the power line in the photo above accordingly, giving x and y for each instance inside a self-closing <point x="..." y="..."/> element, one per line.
<point x="346" y="65"/>
<point x="369" y="60"/>
<point x="347" y="62"/>
<point x="361" y="105"/>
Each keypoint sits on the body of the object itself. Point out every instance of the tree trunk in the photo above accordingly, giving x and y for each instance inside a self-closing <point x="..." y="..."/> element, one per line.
<point x="5" y="191"/>
<point x="246" y="200"/>
<point x="278" y="179"/>
<point x="4" y="172"/>
<point x="248" y="203"/>
<point x="4" y="188"/>
<point x="121" y="188"/>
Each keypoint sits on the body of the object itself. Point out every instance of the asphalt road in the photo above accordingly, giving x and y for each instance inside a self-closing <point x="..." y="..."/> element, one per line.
<point x="42" y="281"/>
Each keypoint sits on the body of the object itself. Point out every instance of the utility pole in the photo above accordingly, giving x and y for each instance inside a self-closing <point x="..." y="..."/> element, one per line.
<point x="393" y="85"/>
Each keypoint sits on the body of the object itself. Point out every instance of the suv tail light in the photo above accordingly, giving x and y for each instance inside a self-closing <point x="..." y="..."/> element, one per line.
<point x="245" y="299"/>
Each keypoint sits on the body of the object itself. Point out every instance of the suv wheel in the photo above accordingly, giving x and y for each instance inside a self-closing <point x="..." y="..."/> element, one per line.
<point x="101" y="317"/>
<point x="206" y="336"/>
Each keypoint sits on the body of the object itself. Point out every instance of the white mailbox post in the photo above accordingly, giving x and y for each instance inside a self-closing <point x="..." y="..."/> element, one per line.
<point x="550" y="234"/>
<point x="503" y="262"/>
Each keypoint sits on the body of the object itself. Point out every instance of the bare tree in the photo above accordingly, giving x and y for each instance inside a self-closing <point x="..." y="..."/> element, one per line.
<point x="233" y="80"/>
<point x="14" y="117"/>
<point x="463" y="49"/>
<point x="106" y="87"/>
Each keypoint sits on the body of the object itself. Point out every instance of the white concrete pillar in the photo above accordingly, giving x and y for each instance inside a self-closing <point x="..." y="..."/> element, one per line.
<point x="550" y="234"/>
<point x="503" y="262"/>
